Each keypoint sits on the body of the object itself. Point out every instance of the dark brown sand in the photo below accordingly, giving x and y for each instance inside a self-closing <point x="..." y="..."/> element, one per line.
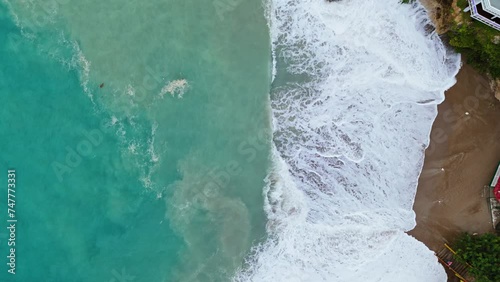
<point x="462" y="157"/>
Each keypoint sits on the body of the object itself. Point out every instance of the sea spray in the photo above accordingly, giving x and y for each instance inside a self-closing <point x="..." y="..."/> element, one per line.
<point x="356" y="91"/>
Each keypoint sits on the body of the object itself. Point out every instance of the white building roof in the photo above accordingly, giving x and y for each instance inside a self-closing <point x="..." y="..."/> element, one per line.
<point x="486" y="11"/>
<point x="492" y="6"/>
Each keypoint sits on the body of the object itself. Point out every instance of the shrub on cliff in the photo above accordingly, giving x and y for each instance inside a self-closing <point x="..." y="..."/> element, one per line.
<point x="482" y="252"/>
<point x="477" y="42"/>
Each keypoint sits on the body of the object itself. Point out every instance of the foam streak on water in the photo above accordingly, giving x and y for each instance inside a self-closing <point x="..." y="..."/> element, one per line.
<point x="356" y="92"/>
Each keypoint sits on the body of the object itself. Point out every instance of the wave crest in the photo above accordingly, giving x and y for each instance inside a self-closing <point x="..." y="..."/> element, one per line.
<point x="356" y="89"/>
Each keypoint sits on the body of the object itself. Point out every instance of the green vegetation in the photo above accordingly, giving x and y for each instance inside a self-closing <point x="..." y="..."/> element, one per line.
<point x="482" y="252"/>
<point x="478" y="42"/>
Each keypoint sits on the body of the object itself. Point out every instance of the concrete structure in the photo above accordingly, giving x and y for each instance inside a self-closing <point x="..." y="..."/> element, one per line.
<point x="485" y="11"/>
<point x="495" y="178"/>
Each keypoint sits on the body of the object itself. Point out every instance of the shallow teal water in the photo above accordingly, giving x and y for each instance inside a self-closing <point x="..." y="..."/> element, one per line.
<point x="127" y="182"/>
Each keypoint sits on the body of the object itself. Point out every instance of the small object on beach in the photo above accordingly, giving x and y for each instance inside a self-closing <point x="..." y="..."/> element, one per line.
<point x="466" y="113"/>
<point x="102" y="85"/>
<point x="442" y="169"/>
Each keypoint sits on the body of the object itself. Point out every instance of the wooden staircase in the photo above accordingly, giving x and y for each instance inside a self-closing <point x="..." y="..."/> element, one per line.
<point x="446" y="257"/>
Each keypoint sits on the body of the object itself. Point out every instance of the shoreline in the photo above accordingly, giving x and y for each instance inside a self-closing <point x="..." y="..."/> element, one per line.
<point x="462" y="156"/>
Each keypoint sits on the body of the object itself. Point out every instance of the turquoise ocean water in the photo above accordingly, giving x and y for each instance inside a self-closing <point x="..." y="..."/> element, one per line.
<point x="140" y="132"/>
<point x="140" y="136"/>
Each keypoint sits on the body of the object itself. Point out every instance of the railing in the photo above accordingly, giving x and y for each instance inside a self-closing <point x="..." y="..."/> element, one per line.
<point x="486" y="22"/>
<point x="475" y="15"/>
<point x="493" y="205"/>
<point x="446" y="257"/>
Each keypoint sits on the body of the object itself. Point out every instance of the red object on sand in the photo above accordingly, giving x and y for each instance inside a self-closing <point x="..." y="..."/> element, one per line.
<point x="496" y="191"/>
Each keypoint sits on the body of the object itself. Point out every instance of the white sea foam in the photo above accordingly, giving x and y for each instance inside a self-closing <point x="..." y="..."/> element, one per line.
<point x="151" y="148"/>
<point x="130" y="90"/>
<point x="84" y="66"/>
<point x="175" y="87"/>
<point x="350" y="136"/>
<point x="153" y="158"/>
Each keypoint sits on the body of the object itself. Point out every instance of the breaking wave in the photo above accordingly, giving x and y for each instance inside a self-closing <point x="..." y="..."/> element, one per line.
<point x="356" y="91"/>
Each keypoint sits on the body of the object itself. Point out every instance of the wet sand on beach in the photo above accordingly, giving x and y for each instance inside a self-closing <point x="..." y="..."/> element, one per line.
<point x="462" y="157"/>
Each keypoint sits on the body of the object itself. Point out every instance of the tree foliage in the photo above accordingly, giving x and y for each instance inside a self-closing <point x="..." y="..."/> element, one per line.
<point x="482" y="252"/>
<point x="478" y="42"/>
